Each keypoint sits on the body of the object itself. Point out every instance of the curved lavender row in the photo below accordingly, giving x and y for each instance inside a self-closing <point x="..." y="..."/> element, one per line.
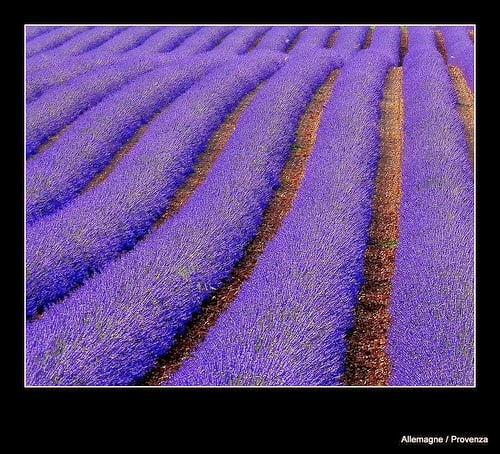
<point x="33" y="31"/>
<point x="315" y="37"/>
<point x="288" y="324"/>
<point x="279" y="38"/>
<point x="56" y="176"/>
<point x="110" y="218"/>
<point x="431" y="339"/>
<point x="52" y="39"/>
<point x="165" y="40"/>
<point x="460" y="50"/>
<point x="57" y="107"/>
<point x="386" y="43"/>
<point x="240" y="40"/>
<point x="203" y="40"/>
<point x="112" y="330"/>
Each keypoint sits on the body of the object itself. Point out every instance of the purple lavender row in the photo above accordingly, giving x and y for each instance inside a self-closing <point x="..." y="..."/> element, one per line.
<point x="240" y="40"/>
<point x="33" y="31"/>
<point x="115" y="51"/>
<point x="52" y="39"/>
<point x="57" y="107"/>
<point x="288" y="324"/>
<point x="65" y="248"/>
<point x="279" y="38"/>
<point x="111" y="330"/>
<point x="460" y="50"/>
<point x="56" y="176"/>
<point x="431" y="339"/>
<point x="165" y="40"/>
<point x="315" y="37"/>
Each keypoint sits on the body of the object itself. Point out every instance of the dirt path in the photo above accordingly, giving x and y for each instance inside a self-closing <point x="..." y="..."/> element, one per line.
<point x="280" y="205"/>
<point x="441" y="45"/>
<point x="403" y="45"/>
<point x="366" y="361"/>
<point x="368" y="39"/>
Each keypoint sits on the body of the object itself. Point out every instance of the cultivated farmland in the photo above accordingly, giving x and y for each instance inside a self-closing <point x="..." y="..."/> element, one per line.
<point x="250" y="206"/>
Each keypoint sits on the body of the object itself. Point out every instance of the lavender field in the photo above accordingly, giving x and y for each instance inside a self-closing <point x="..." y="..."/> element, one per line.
<point x="249" y="205"/>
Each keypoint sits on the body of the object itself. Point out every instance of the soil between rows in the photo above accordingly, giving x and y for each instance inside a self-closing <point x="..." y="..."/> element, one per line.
<point x="367" y="363"/>
<point x="273" y="216"/>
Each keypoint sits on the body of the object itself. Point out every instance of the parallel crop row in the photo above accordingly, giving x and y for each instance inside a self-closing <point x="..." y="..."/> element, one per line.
<point x="112" y="329"/>
<point x="431" y="339"/>
<point x="288" y="324"/>
<point x="65" y="248"/>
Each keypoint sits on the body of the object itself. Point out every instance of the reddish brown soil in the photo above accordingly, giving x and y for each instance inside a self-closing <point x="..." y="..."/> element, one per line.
<point x="280" y="205"/>
<point x="471" y="34"/>
<point x="367" y="362"/>
<point x="403" y="45"/>
<point x="368" y="39"/>
<point x="332" y="39"/>
<point x="100" y="177"/>
<point x="465" y="106"/>
<point x="440" y="44"/>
